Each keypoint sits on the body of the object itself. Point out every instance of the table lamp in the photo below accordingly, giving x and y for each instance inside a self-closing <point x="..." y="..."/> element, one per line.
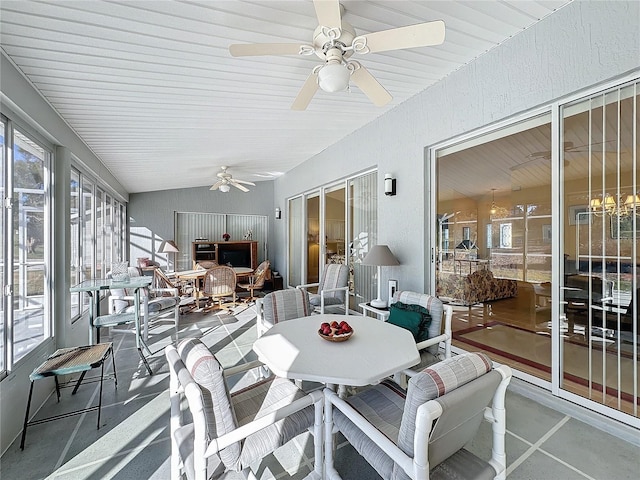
<point x="170" y="247"/>
<point x="380" y="256"/>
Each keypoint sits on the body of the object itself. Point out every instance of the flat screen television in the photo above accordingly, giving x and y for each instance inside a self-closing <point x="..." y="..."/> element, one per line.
<point x="236" y="258"/>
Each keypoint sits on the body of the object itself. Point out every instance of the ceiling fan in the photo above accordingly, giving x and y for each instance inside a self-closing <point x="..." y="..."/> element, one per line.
<point x="538" y="157"/>
<point x="334" y="42"/>
<point x="226" y="181"/>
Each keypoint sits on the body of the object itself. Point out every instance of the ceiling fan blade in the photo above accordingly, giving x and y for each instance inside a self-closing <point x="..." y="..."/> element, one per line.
<point x="535" y="161"/>
<point x="306" y="93"/>
<point x="370" y="86"/>
<point x="238" y="186"/>
<point x="244" y="182"/>
<point x="412" y="36"/>
<point x="328" y="13"/>
<point x="545" y="155"/>
<point x="257" y="49"/>
<point x="216" y="185"/>
<point x="529" y="163"/>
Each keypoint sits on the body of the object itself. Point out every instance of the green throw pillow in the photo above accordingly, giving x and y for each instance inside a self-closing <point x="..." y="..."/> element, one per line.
<point x="425" y="319"/>
<point x="405" y="319"/>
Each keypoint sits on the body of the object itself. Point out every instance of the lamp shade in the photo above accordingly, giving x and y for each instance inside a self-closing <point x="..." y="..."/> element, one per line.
<point x="170" y="247"/>
<point x="380" y="255"/>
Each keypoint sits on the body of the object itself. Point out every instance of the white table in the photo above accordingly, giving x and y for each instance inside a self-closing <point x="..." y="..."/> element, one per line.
<point x="380" y="313"/>
<point x="293" y="349"/>
<point x="93" y="288"/>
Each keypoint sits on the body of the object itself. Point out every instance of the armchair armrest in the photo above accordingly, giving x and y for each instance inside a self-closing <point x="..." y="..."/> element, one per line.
<point x="329" y="290"/>
<point x="445" y="337"/>
<point x="258" y="424"/>
<point x="308" y="285"/>
<point x="113" y="298"/>
<point x="174" y="291"/>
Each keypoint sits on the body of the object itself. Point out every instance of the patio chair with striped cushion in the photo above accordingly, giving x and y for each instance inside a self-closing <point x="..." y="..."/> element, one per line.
<point x="231" y="431"/>
<point x="421" y="433"/>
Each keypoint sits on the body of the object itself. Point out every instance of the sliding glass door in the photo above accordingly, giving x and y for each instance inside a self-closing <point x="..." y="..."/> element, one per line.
<point x="493" y="244"/>
<point x="536" y="233"/>
<point x="336" y="224"/>
<point x="601" y="245"/>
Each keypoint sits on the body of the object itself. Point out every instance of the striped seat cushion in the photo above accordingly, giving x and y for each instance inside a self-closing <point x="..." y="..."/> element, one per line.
<point x="382" y="406"/>
<point x="156" y="305"/>
<point x="316" y="300"/>
<point x="261" y="399"/>
<point x="285" y="305"/>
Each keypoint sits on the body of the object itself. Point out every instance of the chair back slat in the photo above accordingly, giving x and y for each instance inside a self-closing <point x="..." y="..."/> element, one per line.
<point x="219" y="281"/>
<point x="260" y="275"/>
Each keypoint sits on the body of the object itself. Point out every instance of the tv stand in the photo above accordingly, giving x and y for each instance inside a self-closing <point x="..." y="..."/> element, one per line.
<point x="239" y="254"/>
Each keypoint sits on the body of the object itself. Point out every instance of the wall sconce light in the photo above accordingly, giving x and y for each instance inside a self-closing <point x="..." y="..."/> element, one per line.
<point x="278" y="213"/>
<point x="389" y="185"/>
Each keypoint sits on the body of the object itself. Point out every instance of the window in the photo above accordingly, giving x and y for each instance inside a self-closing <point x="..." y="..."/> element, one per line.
<point x="26" y="318"/>
<point x="98" y="225"/>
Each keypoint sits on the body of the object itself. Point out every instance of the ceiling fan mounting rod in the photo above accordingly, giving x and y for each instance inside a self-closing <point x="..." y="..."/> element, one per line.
<point x="334" y="55"/>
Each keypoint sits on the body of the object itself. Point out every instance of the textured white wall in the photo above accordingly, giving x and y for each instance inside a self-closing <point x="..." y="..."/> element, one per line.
<point x="581" y="45"/>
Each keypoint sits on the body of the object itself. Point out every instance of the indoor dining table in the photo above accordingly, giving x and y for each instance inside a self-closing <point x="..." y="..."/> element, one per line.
<point x="197" y="276"/>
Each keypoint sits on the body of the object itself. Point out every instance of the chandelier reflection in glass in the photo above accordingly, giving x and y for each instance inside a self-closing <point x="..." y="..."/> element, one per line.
<point x="616" y="208"/>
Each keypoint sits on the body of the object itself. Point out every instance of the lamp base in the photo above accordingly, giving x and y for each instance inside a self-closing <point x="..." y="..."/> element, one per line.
<point x="378" y="303"/>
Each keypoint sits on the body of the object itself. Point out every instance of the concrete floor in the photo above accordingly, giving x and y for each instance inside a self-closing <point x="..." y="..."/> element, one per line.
<point x="133" y="441"/>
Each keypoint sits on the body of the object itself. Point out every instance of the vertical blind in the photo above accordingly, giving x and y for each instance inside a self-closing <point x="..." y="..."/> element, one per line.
<point x="211" y="226"/>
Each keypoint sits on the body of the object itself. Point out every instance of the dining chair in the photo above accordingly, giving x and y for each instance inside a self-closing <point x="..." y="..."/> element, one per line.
<point x="231" y="431"/>
<point x="423" y="314"/>
<point x="259" y="277"/>
<point x="279" y="306"/>
<point x="185" y="289"/>
<point x="333" y="288"/>
<point x="422" y="433"/>
<point x="220" y="283"/>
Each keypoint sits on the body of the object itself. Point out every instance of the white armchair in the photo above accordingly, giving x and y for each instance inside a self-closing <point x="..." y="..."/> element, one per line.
<point x="333" y="288"/>
<point x="231" y="431"/>
<point x="428" y="347"/>
<point x="279" y="306"/>
<point x="424" y="434"/>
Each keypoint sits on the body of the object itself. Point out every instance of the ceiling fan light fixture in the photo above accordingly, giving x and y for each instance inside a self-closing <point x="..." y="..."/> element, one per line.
<point x="334" y="77"/>
<point x="225" y="188"/>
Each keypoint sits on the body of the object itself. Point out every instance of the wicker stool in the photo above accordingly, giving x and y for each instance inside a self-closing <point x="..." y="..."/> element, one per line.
<point x="66" y="361"/>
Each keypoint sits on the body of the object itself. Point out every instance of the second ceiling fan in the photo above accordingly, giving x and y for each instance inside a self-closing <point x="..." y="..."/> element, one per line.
<point x="334" y="42"/>
<point x="226" y="181"/>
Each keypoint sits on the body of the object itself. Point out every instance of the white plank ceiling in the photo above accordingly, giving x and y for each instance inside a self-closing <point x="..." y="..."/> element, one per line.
<point x="151" y="88"/>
